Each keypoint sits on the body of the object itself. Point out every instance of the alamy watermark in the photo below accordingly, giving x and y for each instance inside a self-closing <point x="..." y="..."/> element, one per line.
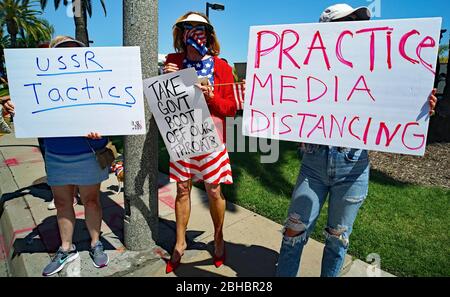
<point x="375" y="8"/>
<point x="374" y="268"/>
<point x="74" y="9"/>
<point x="236" y="142"/>
<point x="74" y="268"/>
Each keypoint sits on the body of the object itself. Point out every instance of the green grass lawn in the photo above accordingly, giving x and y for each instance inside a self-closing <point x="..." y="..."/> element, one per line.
<point x="407" y="225"/>
<point x="118" y="143"/>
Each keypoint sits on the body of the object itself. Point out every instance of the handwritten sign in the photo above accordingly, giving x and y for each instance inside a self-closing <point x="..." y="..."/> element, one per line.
<point x="181" y="114"/>
<point x="75" y="91"/>
<point x="353" y="84"/>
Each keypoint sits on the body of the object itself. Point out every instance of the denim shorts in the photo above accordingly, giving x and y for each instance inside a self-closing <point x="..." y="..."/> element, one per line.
<point x="80" y="170"/>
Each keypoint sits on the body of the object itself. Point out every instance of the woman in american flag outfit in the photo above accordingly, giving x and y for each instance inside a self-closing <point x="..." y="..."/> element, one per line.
<point x="196" y="46"/>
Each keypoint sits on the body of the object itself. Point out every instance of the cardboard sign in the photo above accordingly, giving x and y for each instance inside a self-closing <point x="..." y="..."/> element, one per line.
<point x="74" y="91"/>
<point x="181" y="114"/>
<point x="358" y="84"/>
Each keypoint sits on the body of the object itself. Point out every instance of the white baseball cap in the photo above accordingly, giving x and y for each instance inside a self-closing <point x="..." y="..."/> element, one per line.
<point x="339" y="11"/>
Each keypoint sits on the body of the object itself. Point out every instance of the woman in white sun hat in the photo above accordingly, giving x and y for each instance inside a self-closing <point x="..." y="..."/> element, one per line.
<point x="196" y="44"/>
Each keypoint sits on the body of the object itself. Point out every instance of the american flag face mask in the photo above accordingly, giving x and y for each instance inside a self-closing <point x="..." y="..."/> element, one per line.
<point x="196" y="37"/>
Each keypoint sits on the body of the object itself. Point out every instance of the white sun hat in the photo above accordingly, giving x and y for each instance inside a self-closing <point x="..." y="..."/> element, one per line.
<point x="60" y="40"/>
<point x="339" y="11"/>
<point x="193" y="17"/>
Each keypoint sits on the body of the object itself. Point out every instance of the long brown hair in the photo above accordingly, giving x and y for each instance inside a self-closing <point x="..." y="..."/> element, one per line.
<point x="212" y="42"/>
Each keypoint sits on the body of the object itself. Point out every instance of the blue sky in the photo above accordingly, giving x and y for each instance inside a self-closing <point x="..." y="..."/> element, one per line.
<point x="232" y="25"/>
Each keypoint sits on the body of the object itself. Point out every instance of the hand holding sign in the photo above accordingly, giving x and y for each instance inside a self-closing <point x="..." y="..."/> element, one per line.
<point x="433" y="101"/>
<point x="182" y="115"/>
<point x="94" y="136"/>
<point x="9" y="106"/>
<point x="206" y="90"/>
<point x="170" y="67"/>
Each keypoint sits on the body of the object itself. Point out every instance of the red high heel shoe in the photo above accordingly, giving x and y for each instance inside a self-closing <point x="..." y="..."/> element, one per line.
<point x="219" y="261"/>
<point x="171" y="266"/>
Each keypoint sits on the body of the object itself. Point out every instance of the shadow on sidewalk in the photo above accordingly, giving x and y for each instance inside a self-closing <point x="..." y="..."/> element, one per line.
<point x="39" y="189"/>
<point x="45" y="238"/>
<point x="244" y="260"/>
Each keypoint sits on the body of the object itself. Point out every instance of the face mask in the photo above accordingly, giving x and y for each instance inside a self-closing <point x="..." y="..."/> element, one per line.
<point x="196" y="37"/>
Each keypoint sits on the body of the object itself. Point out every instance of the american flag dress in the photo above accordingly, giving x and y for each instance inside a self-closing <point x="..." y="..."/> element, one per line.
<point x="213" y="168"/>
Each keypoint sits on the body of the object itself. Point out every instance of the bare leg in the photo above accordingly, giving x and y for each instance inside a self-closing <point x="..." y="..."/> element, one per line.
<point x="65" y="214"/>
<point x="217" y="207"/>
<point x="90" y="197"/>
<point x="182" y="214"/>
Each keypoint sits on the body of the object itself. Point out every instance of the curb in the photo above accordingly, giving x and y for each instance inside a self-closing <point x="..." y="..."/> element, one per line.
<point x="25" y="238"/>
<point x="15" y="221"/>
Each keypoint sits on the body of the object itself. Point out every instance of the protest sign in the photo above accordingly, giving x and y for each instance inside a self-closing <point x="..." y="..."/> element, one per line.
<point x="74" y="91"/>
<point x="181" y="114"/>
<point x="358" y="84"/>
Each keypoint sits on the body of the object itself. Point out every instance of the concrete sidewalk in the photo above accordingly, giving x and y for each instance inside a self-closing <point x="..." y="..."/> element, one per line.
<point x="29" y="233"/>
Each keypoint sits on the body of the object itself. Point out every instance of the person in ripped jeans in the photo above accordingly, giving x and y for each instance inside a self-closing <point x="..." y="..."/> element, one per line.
<point x="341" y="173"/>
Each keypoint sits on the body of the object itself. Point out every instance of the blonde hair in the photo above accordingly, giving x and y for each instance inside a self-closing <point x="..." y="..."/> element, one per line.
<point x="178" y="43"/>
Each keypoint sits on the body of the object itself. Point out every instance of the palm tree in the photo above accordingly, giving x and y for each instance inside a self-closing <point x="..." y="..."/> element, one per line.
<point x="4" y="39"/>
<point x="28" y="41"/>
<point x="20" y="16"/>
<point x="80" y="15"/>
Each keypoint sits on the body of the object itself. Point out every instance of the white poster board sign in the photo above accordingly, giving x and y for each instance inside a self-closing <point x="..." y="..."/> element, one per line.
<point x="74" y="91"/>
<point x="181" y="114"/>
<point x="358" y="84"/>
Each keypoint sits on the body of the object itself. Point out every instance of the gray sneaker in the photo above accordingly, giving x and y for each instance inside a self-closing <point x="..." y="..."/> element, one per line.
<point x="60" y="259"/>
<point x="99" y="258"/>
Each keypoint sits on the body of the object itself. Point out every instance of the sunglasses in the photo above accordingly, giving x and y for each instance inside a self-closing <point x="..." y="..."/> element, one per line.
<point x="69" y="44"/>
<point x="348" y="18"/>
<point x="189" y="26"/>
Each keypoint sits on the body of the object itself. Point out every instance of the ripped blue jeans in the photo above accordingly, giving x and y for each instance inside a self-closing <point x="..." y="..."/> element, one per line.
<point x="341" y="173"/>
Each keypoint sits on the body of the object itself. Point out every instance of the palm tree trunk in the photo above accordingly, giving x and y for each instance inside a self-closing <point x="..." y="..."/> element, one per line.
<point x="13" y="40"/>
<point x="86" y="27"/>
<point x="81" y="32"/>
<point x="13" y="30"/>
